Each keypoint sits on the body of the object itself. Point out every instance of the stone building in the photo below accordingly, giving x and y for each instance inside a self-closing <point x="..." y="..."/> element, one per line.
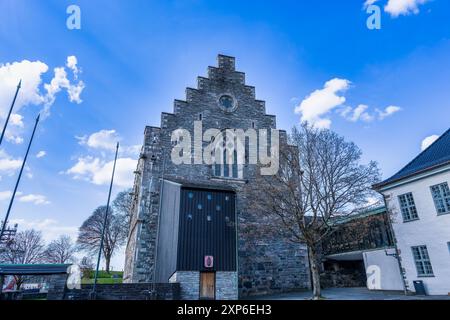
<point x="190" y="222"/>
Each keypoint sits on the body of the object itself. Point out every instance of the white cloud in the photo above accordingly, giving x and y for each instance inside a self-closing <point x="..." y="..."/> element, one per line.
<point x="99" y="172"/>
<point x="31" y="75"/>
<point x="318" y="104"/>
<point x="41" y="154"/>
<point x="72" y="64"/>
<point x="359" y="113"/>
<point x="31" y="72"/>
<point x="34" y="198"/>
<point x="8" y="164"/>
<point x="13" y="138"/>
<point x="103" y="139"/>
<point x="397" y="8"/>
<point x="403" y="7"/>
<point x="86" y="166"/>
<point x="28" y="172"/>
<point x="50" y="228"/>
<point x="5" y="195"/>
<point x="388" y="111"/>
<point x="97" y="169"/>
<point x="130" y="150"/>
<point x="428" y="141"/>
<point x="107" y="140"/>
<point x="315" y="106"/>
<point x="58" y="83"/>
<point x="13" y="131"/>
<point x="16" y="120"/>
<point x="124" y="172"/>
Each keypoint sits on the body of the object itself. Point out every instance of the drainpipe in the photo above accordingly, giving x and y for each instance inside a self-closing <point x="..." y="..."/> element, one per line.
<point x="394" y="240"/>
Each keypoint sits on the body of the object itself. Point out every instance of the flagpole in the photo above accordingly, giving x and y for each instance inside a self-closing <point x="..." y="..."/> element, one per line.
<point x="18" y="178"/>
<point x="104" y="225"/>
<point x="10" y="110"/>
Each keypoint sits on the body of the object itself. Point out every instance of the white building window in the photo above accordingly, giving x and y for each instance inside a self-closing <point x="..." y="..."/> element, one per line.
<point x="422" y="260"/>
<point x="441" y="197"/>
<point x="408" y="207"/>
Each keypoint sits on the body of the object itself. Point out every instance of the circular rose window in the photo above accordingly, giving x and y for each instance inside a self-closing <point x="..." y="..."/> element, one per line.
<point x="227" y="103"/>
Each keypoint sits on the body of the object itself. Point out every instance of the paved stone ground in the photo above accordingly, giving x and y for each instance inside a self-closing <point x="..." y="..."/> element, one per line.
<point x="351" y="294"/>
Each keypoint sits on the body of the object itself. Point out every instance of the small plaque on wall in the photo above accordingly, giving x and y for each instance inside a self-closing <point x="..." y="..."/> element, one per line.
<point x="209" y="261"/>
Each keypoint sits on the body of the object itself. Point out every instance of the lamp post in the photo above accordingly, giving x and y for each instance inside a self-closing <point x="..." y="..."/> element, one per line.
<point x="5" y="221"/>
<point x="105" y="221"/>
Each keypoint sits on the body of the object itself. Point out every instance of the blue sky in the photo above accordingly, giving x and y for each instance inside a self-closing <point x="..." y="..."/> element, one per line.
<point x="134" y="57"/>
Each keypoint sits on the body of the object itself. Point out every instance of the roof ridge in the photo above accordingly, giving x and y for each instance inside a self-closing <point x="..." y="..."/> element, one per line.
<point x="401" y="173"/>
<point x="424" y="151"/>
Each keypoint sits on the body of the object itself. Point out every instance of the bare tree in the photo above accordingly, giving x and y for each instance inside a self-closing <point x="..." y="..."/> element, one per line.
<point x="86" y="266"/>
<point x="87" y="263"/>
<point x="90" y="233"/>
<point x="320" y="180"/>
<point x="26" y="248"/>
<point x="61" y="250"/>
<point x="123" y="202"/>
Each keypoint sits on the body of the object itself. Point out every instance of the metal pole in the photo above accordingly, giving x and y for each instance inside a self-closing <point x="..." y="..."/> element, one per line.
<point x="104" y="225"/>
<point x="10" y="110"/>
<point x="18" y="179"/>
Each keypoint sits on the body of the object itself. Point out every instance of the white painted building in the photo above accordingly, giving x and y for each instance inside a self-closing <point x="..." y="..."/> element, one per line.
<point x="418" y="199"/>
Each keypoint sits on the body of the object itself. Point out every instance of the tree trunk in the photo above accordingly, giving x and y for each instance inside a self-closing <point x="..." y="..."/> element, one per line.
<point x="107" y="261"/>
<point x="314" y="273"/>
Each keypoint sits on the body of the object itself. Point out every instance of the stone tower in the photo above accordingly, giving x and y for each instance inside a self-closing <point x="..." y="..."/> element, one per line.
<point x="222" y="100"/>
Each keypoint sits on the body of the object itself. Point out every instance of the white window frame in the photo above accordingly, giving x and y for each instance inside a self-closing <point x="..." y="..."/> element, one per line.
<point x="422" y="261"/>
<point x="441" y="197"/>
<point x="408" y="207"/>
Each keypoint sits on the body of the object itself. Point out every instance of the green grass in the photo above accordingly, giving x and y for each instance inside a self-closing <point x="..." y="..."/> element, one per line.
<point x="102" y="281"/>
<point x="104" y="277"/>
<point x="104" y="274"/>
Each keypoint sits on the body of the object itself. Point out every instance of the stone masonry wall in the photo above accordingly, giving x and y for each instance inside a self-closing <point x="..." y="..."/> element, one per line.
<point x="135" y="291"/>
<point x="189" y="282"/>
<point x="57" y="286"/>
<point x="227" y="286"/>
<point x="270" y="265"/>
<point x="141" y="247"/>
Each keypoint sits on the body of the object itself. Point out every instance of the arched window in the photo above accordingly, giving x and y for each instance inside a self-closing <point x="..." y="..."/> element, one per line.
<point x="226" y="162"/>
